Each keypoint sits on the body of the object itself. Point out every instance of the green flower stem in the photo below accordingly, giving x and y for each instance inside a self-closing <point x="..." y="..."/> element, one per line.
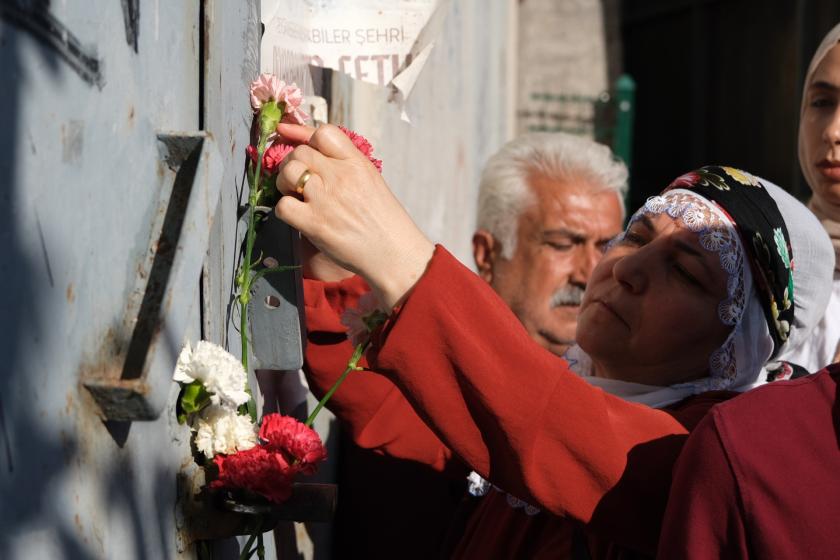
<point x="260" y="547"/>
<point x="246" y="550"/>
<point x="352" y="365"/>
<point x="244" y="276"/>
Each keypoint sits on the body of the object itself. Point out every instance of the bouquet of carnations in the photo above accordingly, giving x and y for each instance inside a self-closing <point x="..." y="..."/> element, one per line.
<point x="215" y="400"/>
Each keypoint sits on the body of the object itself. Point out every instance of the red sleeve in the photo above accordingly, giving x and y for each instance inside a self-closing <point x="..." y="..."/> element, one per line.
<point x="370" y="407"/>
<point x="517" y="415"/>
<point x="704" y="518"/>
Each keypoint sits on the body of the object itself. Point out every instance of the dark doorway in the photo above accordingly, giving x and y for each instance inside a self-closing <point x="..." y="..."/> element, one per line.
<point x="719" y="82"/>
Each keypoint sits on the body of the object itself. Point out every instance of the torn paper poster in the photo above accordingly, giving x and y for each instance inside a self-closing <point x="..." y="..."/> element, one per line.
<point x="384" y="42"/>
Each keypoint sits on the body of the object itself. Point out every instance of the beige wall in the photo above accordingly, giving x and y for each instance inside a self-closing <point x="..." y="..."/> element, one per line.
<point x="462" y="111"/>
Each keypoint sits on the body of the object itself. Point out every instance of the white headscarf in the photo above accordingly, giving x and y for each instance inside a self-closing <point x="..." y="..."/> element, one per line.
<point x="751" y="343"/>
<point x="827" y="44"/>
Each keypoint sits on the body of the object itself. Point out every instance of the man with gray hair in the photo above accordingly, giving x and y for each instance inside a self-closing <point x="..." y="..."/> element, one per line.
<point x="548" y="205"/>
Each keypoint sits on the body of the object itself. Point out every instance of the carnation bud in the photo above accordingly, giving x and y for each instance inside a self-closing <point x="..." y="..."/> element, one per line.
<point x="270" y="115"/>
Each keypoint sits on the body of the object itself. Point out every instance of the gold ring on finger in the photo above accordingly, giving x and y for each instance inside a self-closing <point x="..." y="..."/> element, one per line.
<point x="301" y="182"/>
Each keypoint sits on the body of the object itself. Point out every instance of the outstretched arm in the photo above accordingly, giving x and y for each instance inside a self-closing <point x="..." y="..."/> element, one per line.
<point x="517" y="415"/>
<point x="370" y="407"/>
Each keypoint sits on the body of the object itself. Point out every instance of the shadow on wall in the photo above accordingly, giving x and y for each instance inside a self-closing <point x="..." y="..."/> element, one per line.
<point x="37" y="458"/>
<point x="25" y="481"/>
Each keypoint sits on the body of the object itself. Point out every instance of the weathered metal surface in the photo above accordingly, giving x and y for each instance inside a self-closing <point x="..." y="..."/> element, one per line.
<point x="276" y="308"/>
<point x="166" y="294"/>
<point x="82" y="185"/>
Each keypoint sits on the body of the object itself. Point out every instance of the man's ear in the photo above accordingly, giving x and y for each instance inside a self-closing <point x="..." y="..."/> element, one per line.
<point x="485" y="250"/>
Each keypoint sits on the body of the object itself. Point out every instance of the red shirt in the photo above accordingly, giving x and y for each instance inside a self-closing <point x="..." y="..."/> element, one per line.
<point x="482" y="393"/>
<point x="399" y="488"/>
<point x="760" y="477"/>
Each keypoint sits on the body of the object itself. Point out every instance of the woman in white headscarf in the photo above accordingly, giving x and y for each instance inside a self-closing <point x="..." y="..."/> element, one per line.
<point x="703" y="288"/>
<point x="819" y="158"/>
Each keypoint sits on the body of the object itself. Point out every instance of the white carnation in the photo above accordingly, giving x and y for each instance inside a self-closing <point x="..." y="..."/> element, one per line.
<point x="218" y="370"/>
<point x="221" y="430"/>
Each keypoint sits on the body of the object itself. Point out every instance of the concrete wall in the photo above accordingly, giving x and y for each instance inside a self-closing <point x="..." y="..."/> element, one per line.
<point x="461" y="110"/>
<point x="567" y="47"/>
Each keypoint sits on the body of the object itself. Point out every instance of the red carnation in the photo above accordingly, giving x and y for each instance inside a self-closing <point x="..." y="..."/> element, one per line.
<point x="273" y="156"/>
<point x="363" y="146"/>
<point x="287" y="435"/>
<point x="258" y="470"/>
<point x="358" y="140"/>
<point x="277" y="152"/>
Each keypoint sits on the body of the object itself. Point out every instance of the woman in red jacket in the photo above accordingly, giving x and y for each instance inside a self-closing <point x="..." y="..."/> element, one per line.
<point x="692" y="301"/>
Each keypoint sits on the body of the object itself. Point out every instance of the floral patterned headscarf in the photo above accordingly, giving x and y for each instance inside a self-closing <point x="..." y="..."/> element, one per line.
<point x="764" y="238"/>
<point x="745" y="221"/>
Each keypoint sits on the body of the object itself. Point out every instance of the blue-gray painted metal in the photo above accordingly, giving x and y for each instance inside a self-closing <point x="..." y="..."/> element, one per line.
<point x="133" y="382"/>
<point x="83" y="185"/>
<point x="276" y="307"/>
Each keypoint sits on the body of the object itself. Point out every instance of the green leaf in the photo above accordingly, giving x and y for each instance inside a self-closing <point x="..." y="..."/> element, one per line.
<point x="252" y="409"/>
<point x="193" y="398"/>
<point x="250" y="172"/>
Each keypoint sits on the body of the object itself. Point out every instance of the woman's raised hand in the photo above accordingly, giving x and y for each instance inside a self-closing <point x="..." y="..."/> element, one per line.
<point x="347" y="211"/>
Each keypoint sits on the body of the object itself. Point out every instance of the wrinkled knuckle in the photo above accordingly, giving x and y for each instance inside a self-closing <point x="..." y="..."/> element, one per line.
<point x="327" y="130"/>
<point x="300" y="152"/>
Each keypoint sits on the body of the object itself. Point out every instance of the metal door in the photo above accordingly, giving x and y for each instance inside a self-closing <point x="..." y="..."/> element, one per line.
<point x="122" y="132"/>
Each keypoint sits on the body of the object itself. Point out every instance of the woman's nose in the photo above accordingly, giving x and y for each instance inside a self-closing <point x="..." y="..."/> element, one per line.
<point x="831" y="133"/>
<point x="632" y="271"/>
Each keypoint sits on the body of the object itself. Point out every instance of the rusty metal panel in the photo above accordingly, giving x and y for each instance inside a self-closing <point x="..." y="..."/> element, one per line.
<point x="89" y="91"/>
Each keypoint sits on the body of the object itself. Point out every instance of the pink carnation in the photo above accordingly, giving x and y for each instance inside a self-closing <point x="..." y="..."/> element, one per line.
<point x="363" y="145"/>
<point x="258" y="470"/>
<point x="292" y="97"/>
<point x="360" y="322"/>
<point x="267" y="87"/>
<point x="288" y="435"/>
<point x="273" y="156"/>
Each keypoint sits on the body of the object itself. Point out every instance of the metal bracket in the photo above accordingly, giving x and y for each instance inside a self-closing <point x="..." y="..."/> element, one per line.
<point x="134" y="383"/>
<point x="276" y="315"/>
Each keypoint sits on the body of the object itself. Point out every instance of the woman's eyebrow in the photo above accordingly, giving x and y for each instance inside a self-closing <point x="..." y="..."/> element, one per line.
<point x="646" y="221"/>
<point x="822" y="84"/>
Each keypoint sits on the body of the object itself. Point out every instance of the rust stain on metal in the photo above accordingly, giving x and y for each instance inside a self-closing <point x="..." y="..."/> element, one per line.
<point x="72" y="141"/>
<point x="69" y="293"/>
<point x="102" y="376"/>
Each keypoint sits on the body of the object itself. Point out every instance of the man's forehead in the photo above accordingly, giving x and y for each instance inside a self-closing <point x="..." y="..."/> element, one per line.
<point x="573" y="204"/>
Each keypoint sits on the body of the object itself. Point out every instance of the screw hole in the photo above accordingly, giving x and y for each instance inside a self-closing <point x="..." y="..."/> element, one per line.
<point x="272" y="302"/>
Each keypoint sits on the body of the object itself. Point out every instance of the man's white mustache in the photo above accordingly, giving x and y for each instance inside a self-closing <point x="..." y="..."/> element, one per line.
<point x="567" y="295"/>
